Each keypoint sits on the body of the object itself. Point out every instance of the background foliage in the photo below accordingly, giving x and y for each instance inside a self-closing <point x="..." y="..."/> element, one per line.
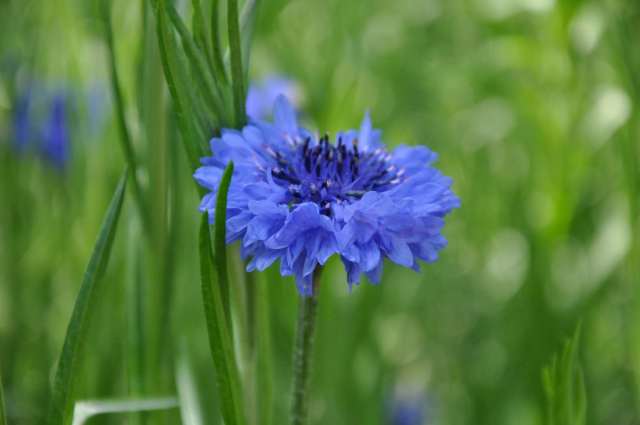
<point x="533" y="106"/>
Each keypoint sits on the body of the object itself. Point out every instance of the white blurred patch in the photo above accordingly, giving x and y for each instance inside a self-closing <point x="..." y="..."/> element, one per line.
<point x="586" y="29"/>
<point x="540" y="210"/>
<point x="384" y="33"/>
<point x="611" y="109"/>
<point x="488" y="121"/>
<point x="400" y="338"/>
<point x="578" y="270"/>
<point x="502" y="9"/>
<point x="190" y="410"/>
<point x="84" y="410"/>
<point x="507" y="264"/>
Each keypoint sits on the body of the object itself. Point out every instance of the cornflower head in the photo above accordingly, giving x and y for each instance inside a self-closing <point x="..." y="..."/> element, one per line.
<point x="301" y="198"/>
<point x="22" y="130"/>
<point x="55" y="135"/>
<point x="262" y="95"/>
<point x="408" y="411"/>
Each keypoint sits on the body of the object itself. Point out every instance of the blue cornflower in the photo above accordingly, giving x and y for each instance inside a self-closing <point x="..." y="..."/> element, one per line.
<point x="407" y="411"/>
<point x="55" y="135"/>
<point x="301" y="199"/>
<point x="22" y="131"/>
<point x="262" y="95"/>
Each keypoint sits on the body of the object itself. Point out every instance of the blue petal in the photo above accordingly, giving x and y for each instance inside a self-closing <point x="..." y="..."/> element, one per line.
<point x="285" y="116"/>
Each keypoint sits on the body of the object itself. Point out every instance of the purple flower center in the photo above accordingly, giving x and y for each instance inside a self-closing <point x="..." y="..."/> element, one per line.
<point x="328" y="173"/>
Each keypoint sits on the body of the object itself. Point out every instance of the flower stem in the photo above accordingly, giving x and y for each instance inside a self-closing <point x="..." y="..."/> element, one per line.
<point x="302" y="352"/>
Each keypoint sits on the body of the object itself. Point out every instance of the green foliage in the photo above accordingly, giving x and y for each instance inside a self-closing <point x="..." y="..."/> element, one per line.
<point x="564" y="387"/>
<point x="3" y="416"/>
<point x="532" y="106"/>
<point x="62" y="398"/>
<point x="125" y="136"/>
<point x="215" y="297"/>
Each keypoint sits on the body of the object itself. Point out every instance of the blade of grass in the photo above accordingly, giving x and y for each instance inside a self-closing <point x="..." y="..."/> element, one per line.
<point x="220" y="240"/>
<point x="61" y="404"/>
<point x="200" y="33"/>
<point x="125" y="136"/>
<point x="211" y="89"/>
<point x="264" y="377"/>
<point x="237" y="71"/>
<point x="3" y="412"/>
<point x="215" y="41"/>
<point x="564" y="387"/>
<point x="247" y="24"/>
<point x="218" y="326"/>
<point x="168" y="48"/>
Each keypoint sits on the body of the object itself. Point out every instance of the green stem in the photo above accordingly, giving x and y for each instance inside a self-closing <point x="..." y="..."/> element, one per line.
<point x="302" y="353"/>
<point x="3" y="418"/>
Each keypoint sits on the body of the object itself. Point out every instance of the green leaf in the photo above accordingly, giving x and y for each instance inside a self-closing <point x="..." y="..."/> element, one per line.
<point x="237" y="71"/>
<point x="247" y="25"/>
<point x="125" y="136"/>
<point x="61" y="404"/>
<point x="212" y="90"/>
<point x="264" y="368"/>
<point x="220" y="238"/>
<point x="177" y="87"/>
<point x="218" y="326"/>
<point x="564" y="387"/>
<point x="215" y="41"/>
<point x="199" y="31"/>
<point x="3" y="414"/>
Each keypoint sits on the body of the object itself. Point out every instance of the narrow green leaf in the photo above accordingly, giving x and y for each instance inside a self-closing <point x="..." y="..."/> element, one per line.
<point x="215" y="41"/>
<point x="211" y="89"/>
<point x="218" y="326"/>
<point x="564" y="387"/>
<point x="135" y="314"/>
<point x="171" y="69"/>
<point x="237" y="71"/>
<point x="125" y="136"/>
<point x="61" y="405"/>
<point x="199" y="31"/>
<point x="247" y="25"/>
<point x="264" y="368"/>
<point x="220" y="238"/>
<point x="3" y="413"/>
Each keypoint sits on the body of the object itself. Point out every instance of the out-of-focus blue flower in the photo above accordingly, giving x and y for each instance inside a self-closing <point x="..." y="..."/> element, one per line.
<point x="262" y="95"/>
<point x="22" y="130"/>
<point x="55" y="135"/>
<point x="301" y="199"/>
<point x="408" y="411"/>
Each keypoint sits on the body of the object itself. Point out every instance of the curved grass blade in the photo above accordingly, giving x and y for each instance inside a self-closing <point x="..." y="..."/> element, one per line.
<point x="247" y="25"/>
<point x="237" y="72"/>
<point x="3" y="415"/>
<point x="125" y="135"/>
<point x="60" y="407"/>
<point x="212" y="90"/>
<point x="215" y="41"/>
<point x="85" y="410"/>
<point x="171" y="68"/>
<point x="218" y="324"/>
<point x="564" y="386"/>
<point x="220" y="237"/>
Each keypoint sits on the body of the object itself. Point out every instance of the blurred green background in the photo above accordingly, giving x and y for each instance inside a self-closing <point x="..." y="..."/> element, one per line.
<point x="533" y="107"/>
